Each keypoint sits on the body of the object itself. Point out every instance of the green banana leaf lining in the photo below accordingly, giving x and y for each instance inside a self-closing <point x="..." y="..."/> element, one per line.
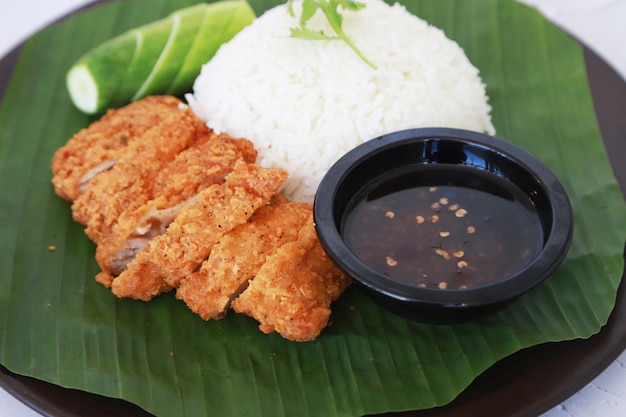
<point x="58" y="325"/>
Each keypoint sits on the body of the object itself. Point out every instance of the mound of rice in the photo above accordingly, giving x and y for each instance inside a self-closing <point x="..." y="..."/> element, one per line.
<point x="306" y="103"/>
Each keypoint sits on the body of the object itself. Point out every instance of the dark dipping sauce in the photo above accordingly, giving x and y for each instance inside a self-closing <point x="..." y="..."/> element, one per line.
<point x="450" y="228"/>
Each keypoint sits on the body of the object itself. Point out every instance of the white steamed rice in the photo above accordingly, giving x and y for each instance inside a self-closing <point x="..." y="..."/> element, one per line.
<point x="305" y="103"/>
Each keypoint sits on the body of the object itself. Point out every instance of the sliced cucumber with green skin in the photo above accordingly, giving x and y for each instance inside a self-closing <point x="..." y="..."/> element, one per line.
<point x="184" y="28"/>
<point x="89" y="89"/>
<point x="163" y="57"/>
<point x="150" y="42"/>
<point x="220" y="24"/>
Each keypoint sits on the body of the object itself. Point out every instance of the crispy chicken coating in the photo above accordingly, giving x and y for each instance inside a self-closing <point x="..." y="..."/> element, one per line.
<point x="239" y="255"/>
<point x="96" y="148"/>
<point x="194" y="168"/>
<point x="292" y="292"/>
<point x="128" y="185"/>
<point x="172" y="205"/>
<point x="197" y="228"/>
<point x="132" y="233"/>
<point x="200" y="165"/>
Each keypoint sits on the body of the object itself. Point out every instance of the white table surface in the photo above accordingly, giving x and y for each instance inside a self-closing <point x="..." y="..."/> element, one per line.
<point x="600" y="24"/>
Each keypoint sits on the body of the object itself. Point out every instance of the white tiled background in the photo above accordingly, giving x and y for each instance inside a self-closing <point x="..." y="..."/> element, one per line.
<point x="600" y="24"/>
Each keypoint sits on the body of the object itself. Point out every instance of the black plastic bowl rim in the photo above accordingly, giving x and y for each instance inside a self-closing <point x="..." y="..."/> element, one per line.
<point x="557" y="234"/>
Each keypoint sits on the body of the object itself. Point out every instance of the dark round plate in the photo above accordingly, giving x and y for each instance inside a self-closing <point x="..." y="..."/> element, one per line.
<point x="527" y="383"/>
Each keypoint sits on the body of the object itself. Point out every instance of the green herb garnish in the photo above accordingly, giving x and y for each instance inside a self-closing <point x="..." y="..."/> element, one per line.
<point x="330" y="8"/>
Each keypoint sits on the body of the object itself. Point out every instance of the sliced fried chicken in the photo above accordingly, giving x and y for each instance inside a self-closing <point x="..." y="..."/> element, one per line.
<point x="197" y="228"/>
<point x="201" y="165"/>
<point x="132" y="233"/>
<point x="175" y="186"/>
<point x="172" y="205"/>
<point x="96" y="148"/>
<point x="292" y="292"/>
<point x="128" y="185"/>
<point x="239" y="255"/>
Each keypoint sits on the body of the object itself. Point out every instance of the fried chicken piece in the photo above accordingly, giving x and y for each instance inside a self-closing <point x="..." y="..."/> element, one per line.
<point x="201" y="165"/>
<point x="292" y="292"/>
<point x="128" y="185"/>
<point x="142" y="280"/>
<point x="96" y="148"/>
<point x="239" y="255"/>
<point x="198" y="227"/>
<point x="194" y="168"/>
<point x="132" y="233"/>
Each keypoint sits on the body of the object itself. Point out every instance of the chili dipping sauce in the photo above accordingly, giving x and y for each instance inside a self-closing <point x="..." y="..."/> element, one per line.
<point x="449" y="229"/>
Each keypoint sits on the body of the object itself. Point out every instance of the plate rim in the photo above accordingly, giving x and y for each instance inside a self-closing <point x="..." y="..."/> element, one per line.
<point x="597" y="352"/>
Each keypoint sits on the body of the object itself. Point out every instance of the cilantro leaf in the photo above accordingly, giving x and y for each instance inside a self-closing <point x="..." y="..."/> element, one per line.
<point x="309" y="7"/>
<point x="330" y="8"/>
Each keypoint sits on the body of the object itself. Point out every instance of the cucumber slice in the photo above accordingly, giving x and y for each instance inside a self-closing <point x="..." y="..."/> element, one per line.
<point x="163" y="57"/>
<point x="150" y="42"/>
<point x="222" y="21"/>
<point x="90" y="89"/>
<point x="185" y="25"/>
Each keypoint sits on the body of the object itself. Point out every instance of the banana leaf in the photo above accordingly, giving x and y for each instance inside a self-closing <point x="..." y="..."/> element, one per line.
<point x="58" y="325"/>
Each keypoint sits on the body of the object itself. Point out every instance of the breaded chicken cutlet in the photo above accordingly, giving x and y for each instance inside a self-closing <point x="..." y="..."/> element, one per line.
<point x="200" y="165"/>
<point x="171" y="205"/>
<point x="292" y="292"/>
<point x="193" y="169"/>
<point x="96" y="148"/>
<point x="239" y="255"/>
<point x="128" y="184"/>
<point x="180" y="251"/>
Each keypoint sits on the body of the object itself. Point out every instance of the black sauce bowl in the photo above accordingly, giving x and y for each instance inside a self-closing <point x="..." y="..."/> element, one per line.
<point x="430" y="153"/>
